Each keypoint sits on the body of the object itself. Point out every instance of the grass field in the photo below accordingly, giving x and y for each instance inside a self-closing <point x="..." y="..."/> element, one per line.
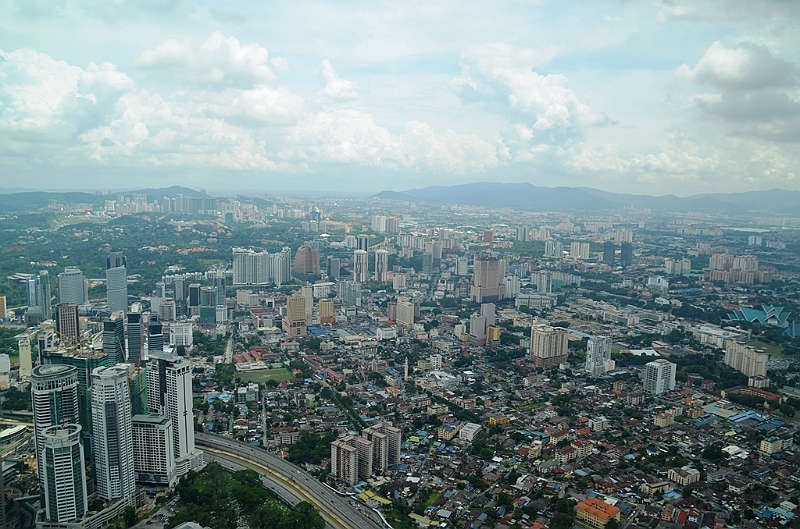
<point x="772" y="350"/>
<point x="264" y="375"/>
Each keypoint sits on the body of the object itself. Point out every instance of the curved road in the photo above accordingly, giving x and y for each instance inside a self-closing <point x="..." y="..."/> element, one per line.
<point x="336" y="511"/>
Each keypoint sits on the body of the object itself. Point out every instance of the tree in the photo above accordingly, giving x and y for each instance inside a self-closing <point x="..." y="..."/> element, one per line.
<point x="612" y="524"/>
<point x="129" y="516"/>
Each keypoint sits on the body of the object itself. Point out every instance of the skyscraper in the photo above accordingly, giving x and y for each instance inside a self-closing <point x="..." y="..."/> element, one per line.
<point x="113" y="435"/>
<point x="84" y="362"/>
<point x="169" y="392"/>
<point x="306" y="264"/>
<point x="659" y="376"/>
<point x="360" y="266"/>
<point x="114" y="337"/>
<point x="54" y="396"/>
<point x="294" y="323"/>
<point x="598" y="355"/>
<point x="486" y="286"/>
<point x="381" y="266"/>
<point x="71" y="286"/>
<point x="68" y="324"/>
<point x="45" y="297"/>
<point x="549" y="345"/>
<point x="135" y="335"/>
<point x="155" y="336"/>
<point x="117" y="282"/>
<point x="251" y="267"/>
<point x="62" y="477"/>
<point x="154" y="460"/>
<point x="626" y="254"/>
<point x="333" y="267"/>
<point x="609" y="250"/>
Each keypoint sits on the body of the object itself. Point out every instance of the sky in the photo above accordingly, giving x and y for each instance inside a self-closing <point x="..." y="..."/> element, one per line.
<point x="636" y="96"/>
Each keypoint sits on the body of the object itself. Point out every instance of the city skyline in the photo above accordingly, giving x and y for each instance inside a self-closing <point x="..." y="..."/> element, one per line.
<point x="670" y="97"/>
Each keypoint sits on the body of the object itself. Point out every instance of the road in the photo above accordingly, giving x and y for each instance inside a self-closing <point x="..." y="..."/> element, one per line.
<point x="229" y="351"/>
<point x="335" y="510"/>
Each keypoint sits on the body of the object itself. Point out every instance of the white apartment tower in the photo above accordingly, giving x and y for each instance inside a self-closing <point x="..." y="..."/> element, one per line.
<point x="659" y="376"/>
<point x="360" y="266"/>
<point x="153" y="456"/>
<point x="381" y="266"/>
<point x="62" y="478"/>
<point x="54" y="394"/>
<point x="113" y="433"/>
<point x="71" y="286"/>
<point x="169" y="392"/>
<point x="598" y="355"/>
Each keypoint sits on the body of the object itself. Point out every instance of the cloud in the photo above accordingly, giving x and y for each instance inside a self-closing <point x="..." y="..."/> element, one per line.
<point x="219" y="60"/>
<point x="544" y="114"/>
<point x="758" y="92"/>
<point x="746" y="66"/>
<point x="349" y="136"/>
<point x="334" y="87"/>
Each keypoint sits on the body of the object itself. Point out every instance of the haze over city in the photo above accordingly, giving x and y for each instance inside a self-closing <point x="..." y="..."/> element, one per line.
<point x="677" y="96"/>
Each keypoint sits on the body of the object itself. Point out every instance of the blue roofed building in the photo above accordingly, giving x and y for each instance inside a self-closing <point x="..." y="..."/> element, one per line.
<point x="768" y="315"/>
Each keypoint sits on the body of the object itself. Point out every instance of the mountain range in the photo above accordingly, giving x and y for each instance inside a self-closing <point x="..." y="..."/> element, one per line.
<point x="529" y="197"/>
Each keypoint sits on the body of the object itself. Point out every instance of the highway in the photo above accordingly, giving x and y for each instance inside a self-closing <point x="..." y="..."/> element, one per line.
<point x="335" y="510"/>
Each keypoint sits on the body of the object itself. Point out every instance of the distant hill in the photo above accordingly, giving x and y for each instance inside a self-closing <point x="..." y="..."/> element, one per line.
<point x="528" y="196"/>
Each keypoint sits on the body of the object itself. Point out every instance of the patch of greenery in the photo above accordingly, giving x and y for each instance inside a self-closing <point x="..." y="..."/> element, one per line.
<point x="219" y="499"/>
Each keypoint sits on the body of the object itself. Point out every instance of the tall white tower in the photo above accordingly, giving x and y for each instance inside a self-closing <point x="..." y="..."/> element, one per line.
<point x="54" y="394"/>
<point x="360" y="266"/>
<point x="113" y="436"/>
<point x="117" y="282"/>
<point x="63" y="478"/>
<point x="381" y="266"/>
<point x="169" y="392"/>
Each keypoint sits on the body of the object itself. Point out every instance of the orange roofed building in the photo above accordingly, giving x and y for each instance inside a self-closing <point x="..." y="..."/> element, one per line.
<point x="595" y="514"/>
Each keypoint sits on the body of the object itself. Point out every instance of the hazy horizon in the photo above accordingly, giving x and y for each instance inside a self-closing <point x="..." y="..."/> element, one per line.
<point x="678" y="97"/>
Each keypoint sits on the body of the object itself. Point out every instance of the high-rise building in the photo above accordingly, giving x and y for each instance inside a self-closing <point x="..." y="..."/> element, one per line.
<point x="45" y="297"/>
<point x="360" y="266"/>
<point x="294" y="323"/>
<point x="745" y="359"/>
<point x="135" y="335"/>
<point x="114" y="337"/>
<point x="598" y="355"/>
<point x="54" y="396"/>
<point x="154" y="459"/>
<point x="477" y="329"/>
<point x="427" y="263"/>
<point x="71" y="286"/>
<point x="659" y="376"/>
<point x="392" y="437"/>
<point x="251" y="267"/>
<point x="306" y="264"/>
<point x="280" y="266"/>
<point x="486" y="286"/>
<point x="63" y="478"/>
<point x="3" y="307"/>
<point x="68" y="324"/>
<point x="363" y="242"/>
<point x="406" y="312"/>
<point x="549" y="345"/>
<point x="84" y="361"/>
<point x="626" y="254"/>
<point x="344" y="461"/>
<point x="117" y="282"/>
<point x="333" y="268"/>
<point x="167" y="311"/>
<point x="392" y="225"/>
<point x="155" y="336"/>
<point x="381" y="266"/>
<point x="25" y="359"/>
<point x="307" y="291"/>
<point x="379" y="223"/>
<point x="113" y="433"/>
<point x="169" y="392"/>
<point x="349" y="292"/>
<point x="609" y="251"/>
